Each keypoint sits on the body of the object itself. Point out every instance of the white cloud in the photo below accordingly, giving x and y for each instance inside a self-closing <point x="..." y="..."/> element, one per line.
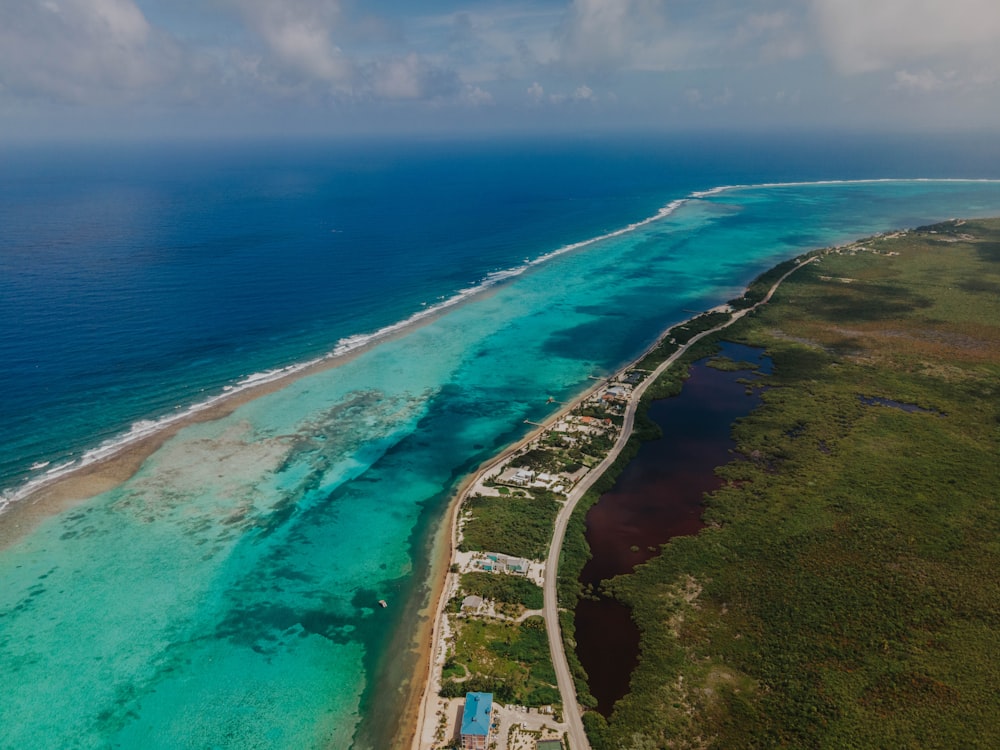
<point x="924" y="81"/>
<point x="582" y="93"/>
<point x="619" y="34"/>
<point x="411" y="77"/>
<point x="477" y="97"/>
<point x="81" y="50"/>
<point x="774" y="35"/>
<point x="657" y="36"/>
<point x="861" y="36"/>
<point x="702" y="100"/>
<point x="299" y="33"/>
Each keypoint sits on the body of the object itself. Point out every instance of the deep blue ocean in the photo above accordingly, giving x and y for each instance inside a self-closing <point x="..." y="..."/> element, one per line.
<point x="139" y="280"/>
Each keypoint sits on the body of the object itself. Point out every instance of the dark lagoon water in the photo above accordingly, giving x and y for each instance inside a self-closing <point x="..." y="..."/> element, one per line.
<point x="658" y="497"/>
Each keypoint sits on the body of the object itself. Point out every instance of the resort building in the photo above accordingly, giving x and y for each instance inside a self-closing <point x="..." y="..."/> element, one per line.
<point x="500" y="563"/>
<point x="476" y="721"/>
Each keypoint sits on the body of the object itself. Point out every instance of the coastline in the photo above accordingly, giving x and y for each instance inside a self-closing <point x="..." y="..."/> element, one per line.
<point x="81" y="483"/>
<point x="429" y="594"/>
<point x="412" y="735"/>
<point x="420" y="735"/>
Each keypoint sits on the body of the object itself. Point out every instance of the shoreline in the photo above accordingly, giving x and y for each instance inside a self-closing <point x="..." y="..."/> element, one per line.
<point x="54" y="495"/>
<point x="412" y="735"/>
<point x="419" y="736"/>
<point x="84" y="482"/>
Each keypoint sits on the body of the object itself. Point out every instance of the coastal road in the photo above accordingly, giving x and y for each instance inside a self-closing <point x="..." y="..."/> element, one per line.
<point x="567" y="688"/>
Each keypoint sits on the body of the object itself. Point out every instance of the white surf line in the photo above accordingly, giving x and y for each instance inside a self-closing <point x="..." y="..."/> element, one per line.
<point x="866" y="181"/>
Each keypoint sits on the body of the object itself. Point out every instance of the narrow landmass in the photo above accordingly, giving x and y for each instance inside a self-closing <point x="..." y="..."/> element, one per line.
<point x="842" y="592"/>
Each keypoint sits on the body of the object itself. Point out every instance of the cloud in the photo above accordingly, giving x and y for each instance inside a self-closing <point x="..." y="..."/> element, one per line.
<point x="477" y="97"/>
<point x="411" y="77"/>
<point x="700" y="100"/>
<point x="617" y="34"/>
<point x="774" y="35"/>
<point x="862" y="37"/>
<point x="924" y="81"/>
<point x="81" y="50"/>
<point x="657" y="36"/>
<point x="582" y="93"/>
<point x="299" y="35"/>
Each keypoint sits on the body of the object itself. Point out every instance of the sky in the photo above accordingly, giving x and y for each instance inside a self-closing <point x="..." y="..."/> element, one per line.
<point x="94" y="68"/>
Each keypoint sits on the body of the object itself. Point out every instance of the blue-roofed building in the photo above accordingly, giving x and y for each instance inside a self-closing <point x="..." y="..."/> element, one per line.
<point x="476" y="720"/>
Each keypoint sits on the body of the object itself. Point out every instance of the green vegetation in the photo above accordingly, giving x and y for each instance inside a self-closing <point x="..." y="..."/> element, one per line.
<point x="521" y="526"/>
<point x="844" y="593"/>
<point x="507" y="589"/>
<point x="758" y="288"/>
<point x="540" y="459"/>
<point x="678" y="335"/>
<point x="507" y="659"/>
<point x="725" y="364"/>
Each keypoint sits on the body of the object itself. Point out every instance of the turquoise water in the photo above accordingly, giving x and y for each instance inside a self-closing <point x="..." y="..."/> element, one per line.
<point x="226" y="595"/>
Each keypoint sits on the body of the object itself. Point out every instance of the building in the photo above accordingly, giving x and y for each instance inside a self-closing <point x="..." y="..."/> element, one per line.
<point x="476" y="721"/>
<point x="472" y="603"/>
<point x="508" y="564"/>
<point x="523" y="477"/>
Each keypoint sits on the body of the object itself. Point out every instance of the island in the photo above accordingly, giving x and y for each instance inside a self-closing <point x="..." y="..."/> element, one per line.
<point x="841" y="592"/>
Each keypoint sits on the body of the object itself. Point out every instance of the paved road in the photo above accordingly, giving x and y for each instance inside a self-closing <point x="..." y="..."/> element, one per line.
<point x="567" y="688"/>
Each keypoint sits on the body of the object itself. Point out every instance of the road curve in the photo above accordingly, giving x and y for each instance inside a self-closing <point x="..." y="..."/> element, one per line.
<point x="567" y="688"/>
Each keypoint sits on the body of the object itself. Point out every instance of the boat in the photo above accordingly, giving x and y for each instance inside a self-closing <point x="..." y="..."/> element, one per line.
<point x="383" y="603"/>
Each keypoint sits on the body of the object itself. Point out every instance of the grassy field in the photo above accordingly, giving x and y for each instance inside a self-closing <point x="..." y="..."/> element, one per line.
<point x="505" y="589"/>
<point x="510" y="660"/>
<point x="845" y="592"/>
<point x="517" y="524"/>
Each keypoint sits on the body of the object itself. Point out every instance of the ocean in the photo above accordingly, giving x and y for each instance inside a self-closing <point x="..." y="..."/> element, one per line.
<point x="225" y="596"/>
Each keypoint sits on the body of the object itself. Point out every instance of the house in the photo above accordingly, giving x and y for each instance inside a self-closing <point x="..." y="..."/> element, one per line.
<point x="476" y="720"/>
<point x="472" y="603"/>
<point x="519" y="477"/>
<point x="523" y="476"/>
<point x="543" y="480"/>
<point x="507" y="564"/>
